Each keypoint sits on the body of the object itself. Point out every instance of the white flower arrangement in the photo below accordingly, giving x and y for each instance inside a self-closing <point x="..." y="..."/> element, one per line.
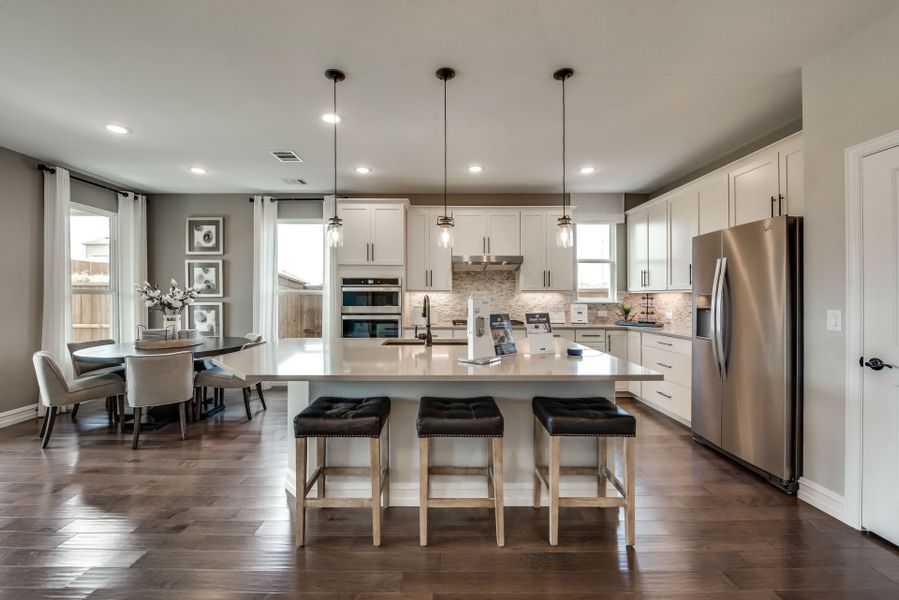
<point x="171" y="302"/>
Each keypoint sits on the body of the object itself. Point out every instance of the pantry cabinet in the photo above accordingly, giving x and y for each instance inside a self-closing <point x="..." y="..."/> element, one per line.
<point x="428" y="266"/>
<point x="545" y="266"/>
<point x="373" y="234"/>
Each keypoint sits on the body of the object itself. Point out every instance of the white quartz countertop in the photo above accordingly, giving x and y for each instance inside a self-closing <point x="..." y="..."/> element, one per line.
<point x="370" y="360"/>
<point x="666" y="330"/>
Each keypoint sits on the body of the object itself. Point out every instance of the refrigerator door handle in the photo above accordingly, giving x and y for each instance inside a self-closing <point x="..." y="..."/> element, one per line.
<point x="721" y="318"/>
<point x="714" y="315"/>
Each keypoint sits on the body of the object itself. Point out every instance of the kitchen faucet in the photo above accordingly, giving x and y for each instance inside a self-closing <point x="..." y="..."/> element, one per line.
<point x="426" y="314"/>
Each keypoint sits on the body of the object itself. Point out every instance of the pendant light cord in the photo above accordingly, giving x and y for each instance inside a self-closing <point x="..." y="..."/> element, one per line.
<point x="444" y="148"/>
<point x="563" y="146"/>
<point x="335" y="145"/>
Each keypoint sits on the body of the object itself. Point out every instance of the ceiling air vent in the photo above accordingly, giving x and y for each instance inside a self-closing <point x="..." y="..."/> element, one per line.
<point x="293" y="181"/>
<point x="288" y="156"/>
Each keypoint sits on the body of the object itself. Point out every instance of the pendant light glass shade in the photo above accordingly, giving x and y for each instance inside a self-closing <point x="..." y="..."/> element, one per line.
<point x="446" y="223"/>
<point x="564" y="232"/>
<point x="445" y="226"/>
<point x="334" y="234"/>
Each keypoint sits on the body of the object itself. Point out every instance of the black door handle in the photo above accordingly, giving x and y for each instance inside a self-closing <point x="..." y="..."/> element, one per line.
<point x="773" y="200"/>
<point x="875" y="364"/>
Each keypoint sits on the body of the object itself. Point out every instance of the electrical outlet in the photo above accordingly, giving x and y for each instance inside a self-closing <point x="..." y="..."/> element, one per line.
<point x="669" y="316"/>
<point x="602" y="313"/>
<point x="834" y="320"/>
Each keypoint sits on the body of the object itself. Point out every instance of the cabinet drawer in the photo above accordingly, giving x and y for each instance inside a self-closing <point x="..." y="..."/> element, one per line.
<point x="594" y="338"/>
<point x="675" y="367"/>
<point x="652" y="340"/>
<point x="670" y="397"/>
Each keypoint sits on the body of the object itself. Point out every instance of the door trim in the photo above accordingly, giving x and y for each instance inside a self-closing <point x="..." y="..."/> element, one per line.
<point x="854" y="339"/>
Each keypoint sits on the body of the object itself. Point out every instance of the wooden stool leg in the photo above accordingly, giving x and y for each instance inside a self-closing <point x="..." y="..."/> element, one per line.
<point x="602" y="458"/>
<point x="554" y="471"/>
<point x="321" y="452"/>
<point x="497" y="445"/>
<point x="630" y="465"/>
<point x="376" y="490"/>
<point x="491" y="473"/>
<point x="300" y="492"/>
<point x="538" y="460"/>
<point x="423" y="465"/>
<point x="386" y="434"/>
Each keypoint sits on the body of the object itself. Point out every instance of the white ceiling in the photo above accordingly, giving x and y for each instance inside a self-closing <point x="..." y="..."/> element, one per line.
<point x="661" y="87"/>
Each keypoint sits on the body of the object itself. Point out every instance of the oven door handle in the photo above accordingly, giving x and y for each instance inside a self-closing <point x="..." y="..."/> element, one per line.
<point x="374" y="288"/>
<point x="370" y="317"/>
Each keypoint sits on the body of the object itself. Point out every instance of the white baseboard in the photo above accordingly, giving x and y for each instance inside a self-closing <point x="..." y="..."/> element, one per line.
<point x="18" y="415"/>
<point x="406" y="494"/>
<point x="822" y="498"/>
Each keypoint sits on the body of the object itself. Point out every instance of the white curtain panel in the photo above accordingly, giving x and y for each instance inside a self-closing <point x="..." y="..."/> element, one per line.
<point x="265" y="267"/>
<point x="131" y="260"/>
<point x="56" y="324"/>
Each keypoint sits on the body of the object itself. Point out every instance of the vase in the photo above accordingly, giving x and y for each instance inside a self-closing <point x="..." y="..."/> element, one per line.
<point x="173" y="322"/>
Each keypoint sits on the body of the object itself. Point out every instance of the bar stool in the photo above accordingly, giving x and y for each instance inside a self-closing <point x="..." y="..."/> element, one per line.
<point x="330" y="417"/>
<point x="471" y="417"/>
<point x="584" y="417"/>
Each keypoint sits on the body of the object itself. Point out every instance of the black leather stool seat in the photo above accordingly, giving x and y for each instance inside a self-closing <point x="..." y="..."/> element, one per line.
<point x="343" y="417"/>
<point x="596" y="417"/>
<point x="459" y="417"/>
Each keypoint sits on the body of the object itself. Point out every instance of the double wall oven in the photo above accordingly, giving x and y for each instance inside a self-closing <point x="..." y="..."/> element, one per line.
<point x="371" y="307"/>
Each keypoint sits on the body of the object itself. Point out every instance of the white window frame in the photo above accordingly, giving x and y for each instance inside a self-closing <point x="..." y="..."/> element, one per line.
<point x="113" y="264"/>
<point x="299" y="221"/>
<point x="612" y="261"/>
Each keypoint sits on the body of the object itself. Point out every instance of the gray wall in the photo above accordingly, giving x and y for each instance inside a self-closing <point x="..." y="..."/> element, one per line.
<point x="850" y="94"/>
<point x="21" y="264"/>
<point x="96" y="197"/>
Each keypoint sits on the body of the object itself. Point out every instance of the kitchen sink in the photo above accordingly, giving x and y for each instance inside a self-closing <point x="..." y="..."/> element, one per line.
<point x="415" y="342"/>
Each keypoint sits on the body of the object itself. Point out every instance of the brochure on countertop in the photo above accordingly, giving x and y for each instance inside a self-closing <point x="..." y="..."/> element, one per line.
<point x="540" y="333"/>
<point x="501" y="332"/>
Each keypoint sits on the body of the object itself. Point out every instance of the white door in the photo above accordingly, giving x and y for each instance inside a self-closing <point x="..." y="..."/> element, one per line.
<point x="711" y="196"/>
<point x="440" y="260"/>
<point x="683" y="224"/>
<point x="754" y="189"/>
<point x="533" y="250"/>
<point x="356" y="234"/>
<point x="791" y="169"/>
<point x="636" y="251"/>
<point x="470" y="233"/>
<point x="388" y="234"/>
<point x="417" y="267"/>
<point x="559" y="261"/>
<point x="657" y="248"/>
<point x="880" y="423"/>
<point x="503" y="237"/>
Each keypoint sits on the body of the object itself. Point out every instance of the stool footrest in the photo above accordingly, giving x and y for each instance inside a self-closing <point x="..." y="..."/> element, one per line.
<point x="591" y="501"/>
<point x="339" y="502"/>
<point x="479" y="471"/>
<point x="461" y="503"/>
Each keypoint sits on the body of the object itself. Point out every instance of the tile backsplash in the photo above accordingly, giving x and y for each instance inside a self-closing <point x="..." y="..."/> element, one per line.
<point x="501" y="288"/>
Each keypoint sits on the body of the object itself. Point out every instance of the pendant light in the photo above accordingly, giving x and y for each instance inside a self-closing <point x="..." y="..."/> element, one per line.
<point x="334" y="234"/>
<point x="445" y="224"/>
<point x="564" y="228"/>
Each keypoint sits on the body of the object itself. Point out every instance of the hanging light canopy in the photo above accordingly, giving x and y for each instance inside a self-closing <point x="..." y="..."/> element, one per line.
<point x="564" y="228"/>
<point x="334" y="234"/>
<point x="445" y="224"/>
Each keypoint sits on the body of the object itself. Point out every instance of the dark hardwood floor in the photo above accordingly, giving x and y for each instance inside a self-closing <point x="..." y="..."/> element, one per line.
<point x="208" y="519"/>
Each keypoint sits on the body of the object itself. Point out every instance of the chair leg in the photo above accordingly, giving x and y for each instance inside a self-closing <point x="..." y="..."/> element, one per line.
<point x="630" y="466"/>
<point x="602" y="454"/>
<point x="554" y="469"/>
<point x="120" y="407"/>
<point x="386" y="434"/>
<point x="48" y="425"/>
<point x="75" y="410"/>
<point x="375" y="452"/>
<point x="300" y="492"/>
<point x="490" y="472"/>
<point x="182" y="417"/>
<point x="424" y="447"/>
<point x="261" y="397"/>
<point x="499" y="508"/>
<point x="136" y="437"/>
<point x="321" y="451"/>
<point x="246" y="403"/>
<point x="110" y="403"/>
<point x="538" y="460"/>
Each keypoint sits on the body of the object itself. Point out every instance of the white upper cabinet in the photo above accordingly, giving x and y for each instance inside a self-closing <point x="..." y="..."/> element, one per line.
<point x="711" y="197"/>
<point x="791" y="166"/>
<point x="486" y="231"/>
<point x="503" y="232"/>
<point x="373" y="233"/>
<point x="683" y="225"/>
<point x="657" y="232"/>
<point x="637" y="251"/>
<point x="546" y="267"/>
<point x="768" y="184"/>
<point x="428" y="266"/>
<point x="469" y="233"/>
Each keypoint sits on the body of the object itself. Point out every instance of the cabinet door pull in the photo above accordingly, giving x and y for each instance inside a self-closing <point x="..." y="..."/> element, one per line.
<point x="663" y="394"/>
<point x="488" y="244"/>
<point x="773" y="200"/>
<point x="691" y="273"/>
<point x="780" y="204"/>
<point x="484" y="244"/>
<point x="549" y="278"/>
<point x="663" y="365"/>
<point x="661" y="343"/>
<point x="372" y="252"/>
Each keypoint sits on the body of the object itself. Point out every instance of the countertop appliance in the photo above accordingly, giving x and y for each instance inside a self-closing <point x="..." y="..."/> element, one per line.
<point x="747" y="346"/>
<point x="371" y="307"/>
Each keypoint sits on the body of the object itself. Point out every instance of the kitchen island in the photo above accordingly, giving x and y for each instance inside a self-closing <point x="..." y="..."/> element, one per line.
<point x="407" y="371"/>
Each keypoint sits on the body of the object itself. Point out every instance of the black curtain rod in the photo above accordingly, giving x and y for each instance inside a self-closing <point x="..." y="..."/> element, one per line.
<point x="294" y="199"/>
<point x="51" y="170"/>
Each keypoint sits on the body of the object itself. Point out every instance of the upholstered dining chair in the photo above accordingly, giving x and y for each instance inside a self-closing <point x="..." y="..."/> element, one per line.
<point x="83" y="367"/>
<point x="158" y="380"/>
<point x="57" y="391"/>
<point x="221" y="379"/>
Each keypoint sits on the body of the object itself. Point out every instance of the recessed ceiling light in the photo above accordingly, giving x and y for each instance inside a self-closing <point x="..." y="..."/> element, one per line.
<point x="198" y="170"/>
<point x="588" y="170"/>
<point x="475" y="169"/>
<point x="363" y="170"/>
<point x="117" y="129"/>
<point x="331" y="118"/>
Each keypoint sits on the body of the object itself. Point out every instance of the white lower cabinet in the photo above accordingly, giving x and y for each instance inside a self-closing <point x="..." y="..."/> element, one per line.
<point x="616" y="345"/>
<point x="634" y="355"/>
<point x="671" y="357"/>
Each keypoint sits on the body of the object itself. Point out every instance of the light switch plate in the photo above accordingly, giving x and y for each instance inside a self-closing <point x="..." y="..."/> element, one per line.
<point x="834" y="320"/>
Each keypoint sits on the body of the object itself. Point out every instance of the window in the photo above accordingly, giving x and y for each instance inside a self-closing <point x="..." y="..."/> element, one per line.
<point x="301" y="275"/>
<point x="596" y="269"/>
<point x="92" y="240"/>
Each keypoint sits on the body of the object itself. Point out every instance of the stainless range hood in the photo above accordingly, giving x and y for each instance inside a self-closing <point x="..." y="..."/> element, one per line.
<point x="486" y="262"/>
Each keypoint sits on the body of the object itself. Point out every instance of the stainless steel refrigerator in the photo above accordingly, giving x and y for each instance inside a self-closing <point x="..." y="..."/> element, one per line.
<point x="747" y="346"/>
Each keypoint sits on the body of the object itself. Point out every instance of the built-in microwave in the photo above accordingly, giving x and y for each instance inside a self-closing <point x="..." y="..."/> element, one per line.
<point x="371" y="307"/>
